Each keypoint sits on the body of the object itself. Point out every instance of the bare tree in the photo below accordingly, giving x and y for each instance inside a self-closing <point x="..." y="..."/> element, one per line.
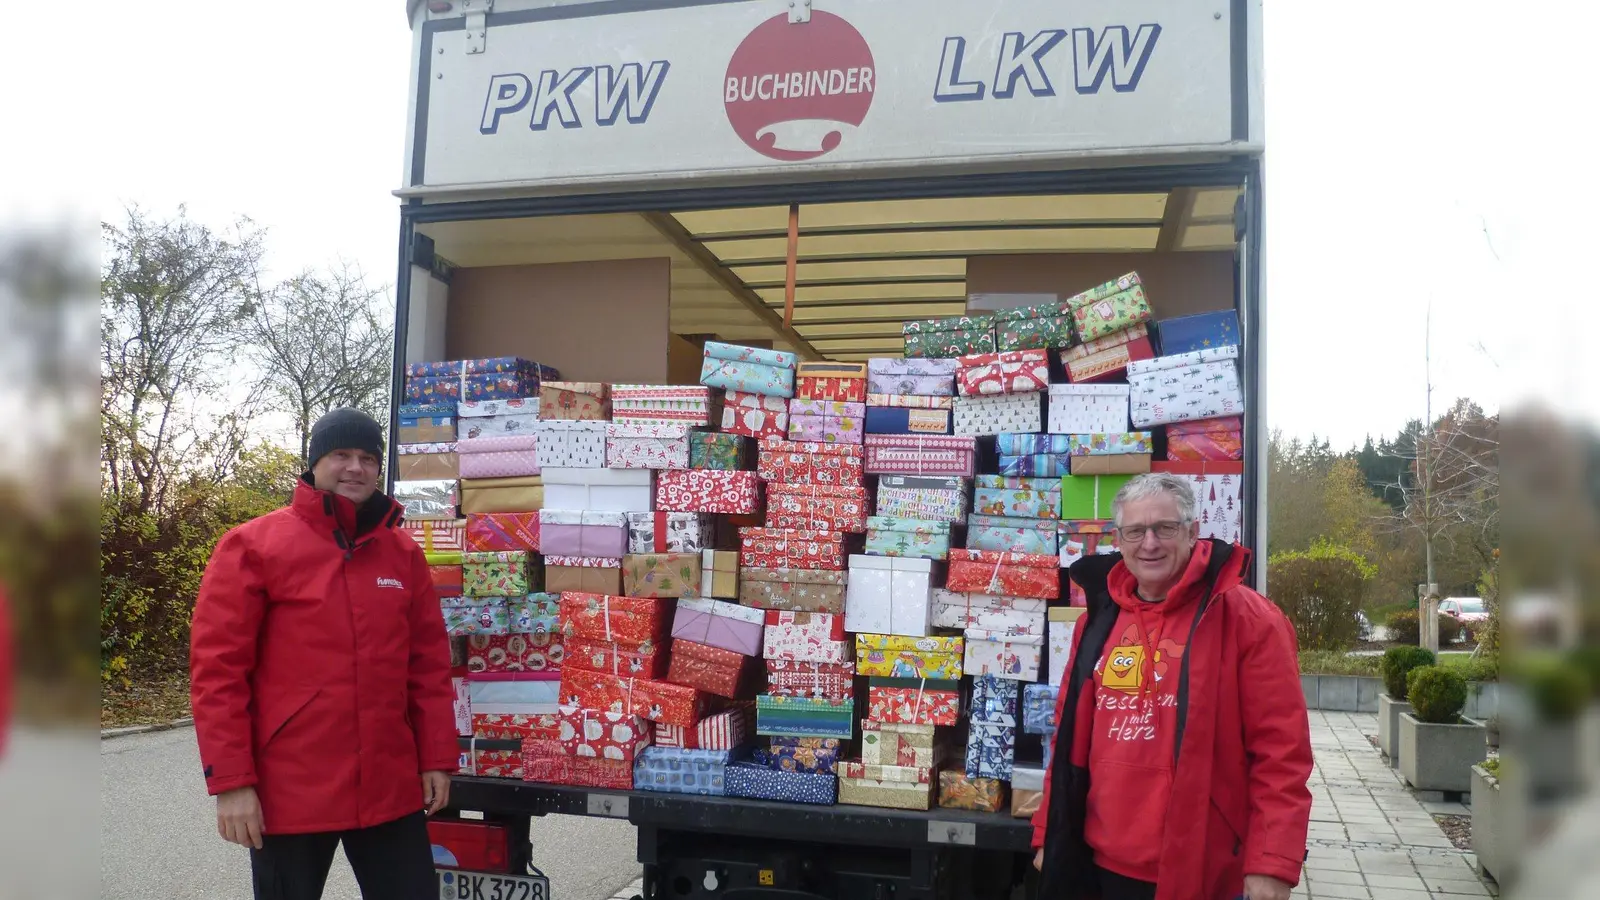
<point x="323" y="340"/>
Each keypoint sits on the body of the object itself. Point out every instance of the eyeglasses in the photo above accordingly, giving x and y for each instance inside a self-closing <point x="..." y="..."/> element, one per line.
<point x="1134" y="534"/>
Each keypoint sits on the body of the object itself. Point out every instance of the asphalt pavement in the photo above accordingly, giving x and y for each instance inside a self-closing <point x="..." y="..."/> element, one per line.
<point x="159" y="839"/>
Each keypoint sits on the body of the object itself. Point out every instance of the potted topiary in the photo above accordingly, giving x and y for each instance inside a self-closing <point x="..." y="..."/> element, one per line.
<point x="1397" y="664"/>
<point x="1551" y="746"/>
<point x="1437" y="746"/>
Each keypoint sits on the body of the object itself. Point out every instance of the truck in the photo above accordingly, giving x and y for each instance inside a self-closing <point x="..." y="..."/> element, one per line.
<point x="605" y="185"/>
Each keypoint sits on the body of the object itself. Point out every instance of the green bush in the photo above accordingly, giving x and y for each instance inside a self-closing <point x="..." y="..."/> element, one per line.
<point x="1405" y="628"/>
<point x="1336" y="662"/>
<point x="1483" y="667"/>
<point x="1398" y="663"/>
<point x="1558" y="688"/>
<point x="1320" y="590"/>
<point x="1588" y="659"/>
<point x="1437" y="694"/>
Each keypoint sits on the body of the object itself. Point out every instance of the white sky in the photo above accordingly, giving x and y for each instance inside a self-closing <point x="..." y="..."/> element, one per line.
<point x="1397" y="133"/>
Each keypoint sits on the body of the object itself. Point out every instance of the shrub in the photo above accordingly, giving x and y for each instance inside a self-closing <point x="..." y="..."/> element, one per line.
<point x="1483" y="667"/>
<point x="1405" y="628"/>
<point x="1437" y="694"/>
<point x="1320" y="590"/>
<point x="1559" y="690"/>
<point x="1398" y="663"/>
<point x="1335" y="662"/>
<point x="1588" y="659"/>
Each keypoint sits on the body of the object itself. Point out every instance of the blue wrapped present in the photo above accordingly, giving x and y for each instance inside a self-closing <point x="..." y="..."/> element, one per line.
<point x="487" y="366"/>
<point x="750" y="370"/>
<point x="1039" y="708"/>
<point x="798" y="757"/>
<point x="1013" y="444"/>
<point x="991" y="751"/>
<point x="426" y="410"/>
<point x="1203" y="331"/>
<point x="674" y="770"/>
<point x="754" y="781"/>
<point x="1047" y="465"/>
<point x="994" y="701"/>
<point x="906" y="420"/>
<point x="1012" y="533"/>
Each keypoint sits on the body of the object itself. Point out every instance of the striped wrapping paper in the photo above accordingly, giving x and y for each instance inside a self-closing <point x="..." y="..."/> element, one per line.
<point x="725" y="730"/>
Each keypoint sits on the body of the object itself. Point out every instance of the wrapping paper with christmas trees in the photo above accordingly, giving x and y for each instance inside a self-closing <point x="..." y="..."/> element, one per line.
<point x="1219" y="507"/>
<point x="1203" y="384"/>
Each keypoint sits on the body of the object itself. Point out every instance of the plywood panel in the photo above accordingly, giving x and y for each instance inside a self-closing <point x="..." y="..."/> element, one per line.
<point x="1176" y="283"/>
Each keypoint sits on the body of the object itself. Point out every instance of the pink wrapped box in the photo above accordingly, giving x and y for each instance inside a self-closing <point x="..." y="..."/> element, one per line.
<point x="718" y="624"/>
<point x="505" y="456"/>
<point x="572" y="532"/>
<point x="806" y="637"/>
<point x="827" y="421"/>
<point x="647" y="445"/>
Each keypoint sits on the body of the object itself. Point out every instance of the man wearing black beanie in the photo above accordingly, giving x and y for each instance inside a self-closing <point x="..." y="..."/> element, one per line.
<point x="320" y="674"/>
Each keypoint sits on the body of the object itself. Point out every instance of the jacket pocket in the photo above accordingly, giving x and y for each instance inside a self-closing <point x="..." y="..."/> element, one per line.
<point x="1235" y="833"/>
<point x="277" y="715"/>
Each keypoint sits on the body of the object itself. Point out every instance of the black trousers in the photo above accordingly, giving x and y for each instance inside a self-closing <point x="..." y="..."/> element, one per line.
<point x="392" y="861"/>
<point x="1121" y="887"/>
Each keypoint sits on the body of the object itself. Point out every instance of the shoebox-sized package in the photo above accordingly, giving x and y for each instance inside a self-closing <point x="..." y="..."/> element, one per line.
<point x="999" y="414"/>
<point x="583" y="574"/>
<point x="513" y="706"/>
<point x="1125" y="443"/>
<point x="727" y="730"/>
<point x="806" y="637"/>
<point x="889" y="595"/>
<point x="991" y="751"/>
<point x="948" y="337"/>
<point x="995" y="652"/>
<point x="458" y="380"/>
<point x="1005" y="574"/>
<point x="1112" y="307"/>
<point x="717" y="623"/>
<point x="1013" y="372"/>
<point x="911" y="377"/>
<point x="1042" y="326"/>
<point x="1008" y="615"/>
<point x="498" y="495"/>
<point x="1203" y="384"/>
<point x="754" y="781"/>
<point x="669" y="532"/>
<point x="673" y="770"/>
<point x="708" y="491"/>
<point x="1088" y="409"/>
<point x="914" y="791"/>
<point x="1201" y="331"/>
<point x="719" y="574"/>
<point x="1023" y="498"/>
<point x="500" y="456"/>
<point x="913" y="401"/>
<point x="805" y="717"/>
<point x="838" y="382"/>
<point x="1039" y="708"/>
<point x="598" y="489"/>
<point x="787" y="678"/>
<point x="1219" y="504"/>
<point x="795" y="590"/>
<point x="548" y="762"/>
<point x="894" y="656"/>
<point x="428" y="427"/>
<point x="906" y="420"/>
<point x="507" y="425"/>
<point x="828" y="421"/>
<point x="927" y="497"/>
<point x="571" y="444"/>
<point x="1110" y="464"/>
<point x="434" y="498"/>
<point x="503" y="531"/>
<point x="804" y="754"/>
<point x="484" y="762"/>
<point x="635" y="660"/>
<point x="995" y="701"/>
<point x="657" y="701"/>
<point x="1027" y="791"/>
<point x="576" y="400"/>
<point x="438" y="535"/>
<point x="714" y="670"/>
<point x="475" y="615"/>
<point x="1090" y="496"/>
<point x="718" y="450"/>
<point x="1012" y="534"/>
<point x="577" y="532"/>
<point x="420" y="462"/>
<point x="957" y="791"/>
<point x="1063" y="622"/>
<point x="667" y="575"/>
<point x="917" y="454"/>
<point x="629" y="620"/>
<point x="791" y="548"/>
<point x="749" y="370"/>
<point x="647" y="445"/>
<point x="1206" y="440"/>
<point x="914" y="701"/>
<point x="810" y="462"/>
<point x="755" y="415"/>
<point x="696" y="406"/>
<point x="1107" y="358"/>
<point x="446" y="580"/>
<point x="888" y="536"/>
<point x="497" y="573"/>
<point x="490" y="365"/>
<point x="819" y="507"/>
<point x="1033" y="455"/>
<point x="592" y="732"/>
<point x="495" y="653"/>
<point x="487" y="409"/>
<point x="898" y="744"/>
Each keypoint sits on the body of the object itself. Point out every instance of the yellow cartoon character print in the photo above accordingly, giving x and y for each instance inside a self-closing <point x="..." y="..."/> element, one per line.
<point x="1124" y="669"/>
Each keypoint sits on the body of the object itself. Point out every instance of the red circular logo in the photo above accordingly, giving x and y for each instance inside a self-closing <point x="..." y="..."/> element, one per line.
<point x="797" y="90"/>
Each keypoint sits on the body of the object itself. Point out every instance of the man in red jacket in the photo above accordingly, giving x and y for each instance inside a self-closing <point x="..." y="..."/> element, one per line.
<point x="1183" y="746"/>
<point x="320" y="682"/>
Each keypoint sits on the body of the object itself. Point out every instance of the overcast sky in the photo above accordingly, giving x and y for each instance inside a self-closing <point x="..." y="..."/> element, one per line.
<point x="1416" y="154"/>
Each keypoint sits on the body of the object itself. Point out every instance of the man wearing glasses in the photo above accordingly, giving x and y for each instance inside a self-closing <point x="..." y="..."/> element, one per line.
<point x="1183" y="748"/>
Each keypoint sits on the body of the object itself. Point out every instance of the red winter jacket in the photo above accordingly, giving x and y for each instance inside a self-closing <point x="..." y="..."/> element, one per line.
<point x="320" y="666"/>
<point x="1239" y="804"/>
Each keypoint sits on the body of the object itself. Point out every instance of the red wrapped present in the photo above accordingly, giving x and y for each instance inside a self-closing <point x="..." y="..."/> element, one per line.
<point x="841" y="382"/>
<point x="822" y="507"/>
<point x="1206" y="440"/>
<point x="708" y="491"/>
<point x="921" y="454"/>
<point x="491" y="763"/>
<point x="1011" y="372"/>
<point x="726" y="730"/>
<point x="919" y="705"/>
<point x="711" y="669"/>
<point x="810" y="462"/>
<point x="514" y="726"/>
<point x="602" y="734"/>
<point x="755" y="415"/>
<point x="646" y="660"/>
<point x="515" y="652"/>
<point x="791" y="548"/>
<point x="612" y="619"/>
<point x="1004" y="573"/>
<point x="503" y="531"/>
<point x="446" y="581"/>
<point x="658" y="701"/>
<point x="547" y="762"/>
<point x="806" y="637"/>
<point x="830" y="681"/>
<point x="1107" y="358"/>
<point x="437" y="535"/>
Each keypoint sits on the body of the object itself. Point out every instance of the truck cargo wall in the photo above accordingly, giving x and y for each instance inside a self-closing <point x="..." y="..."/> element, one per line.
<point x="1177" y="283"/>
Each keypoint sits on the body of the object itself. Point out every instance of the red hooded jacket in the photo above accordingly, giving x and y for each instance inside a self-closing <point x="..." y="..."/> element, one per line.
<point x="1238" y="802"/>
<point x="320" y="666"/>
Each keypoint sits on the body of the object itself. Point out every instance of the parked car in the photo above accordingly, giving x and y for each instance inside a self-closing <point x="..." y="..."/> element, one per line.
<point x="1471" y="612"/>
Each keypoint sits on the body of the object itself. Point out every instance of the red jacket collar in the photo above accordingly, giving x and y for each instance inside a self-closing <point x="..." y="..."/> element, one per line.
<point x="340" y="514"/>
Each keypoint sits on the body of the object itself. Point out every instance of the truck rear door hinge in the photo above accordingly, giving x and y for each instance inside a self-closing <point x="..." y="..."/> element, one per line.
<point x="799" y="11"/>
<point x="476" y="13"/>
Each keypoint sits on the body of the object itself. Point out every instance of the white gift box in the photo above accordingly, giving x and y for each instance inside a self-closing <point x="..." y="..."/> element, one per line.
<point x="1010" y="656"/>
<point x="572" y="444"/>
<point x="1063" y="620"/>
<point x="889" y="595"/>
<point x="647" y="445"/>
<point x="1203" y="384"/>
<point x="498" y="426"/>
<point x="999" y="414"/>
<point x="1088" y="408"/>
<point x="1218" y="506"/>
<point x="602" y="490"/>
<point x="482" y="409"/>
<point x="987" y="612"/>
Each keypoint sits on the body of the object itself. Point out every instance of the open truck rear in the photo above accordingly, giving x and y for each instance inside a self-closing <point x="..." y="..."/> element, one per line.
<point x="603" y="187"/>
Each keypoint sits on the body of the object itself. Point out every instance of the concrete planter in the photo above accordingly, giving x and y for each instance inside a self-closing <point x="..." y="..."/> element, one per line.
<point x="1559" y="757"/>
<point x="1341" y="693"/>
<point x="1439" y="757"/>
<point x="1389" y="711"/>
<point x="1495" y="827"/>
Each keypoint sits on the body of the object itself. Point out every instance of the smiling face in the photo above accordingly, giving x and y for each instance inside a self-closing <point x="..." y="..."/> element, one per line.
<point x="352" y="474"/>
<point x="1122" y="670"/>
<point x="1156" y="562"/>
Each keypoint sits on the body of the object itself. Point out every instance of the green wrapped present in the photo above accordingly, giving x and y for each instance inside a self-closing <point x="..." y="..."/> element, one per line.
<point x="499" y="573"/>
<point x="805" y="717"/>
<point x="718" y="450"/>
<point x="1089" y="496"/>
<point x="1042" y="327"/>
<point x="887" y="536"/>
<point x="1112" y="307"/>
<point x="949" y="337"/>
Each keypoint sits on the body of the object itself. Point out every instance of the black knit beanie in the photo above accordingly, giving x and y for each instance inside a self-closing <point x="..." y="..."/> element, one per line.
<point x="345" y="429"/>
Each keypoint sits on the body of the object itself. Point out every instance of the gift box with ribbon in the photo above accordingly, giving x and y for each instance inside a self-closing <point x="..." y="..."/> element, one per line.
<point x="1024" y="498"/>
<point x="914" y="701"/>
<point x="1008" y="615"/>
<point x="889" y="536"/>
<point x="789" y="678"/>
<point x="500" y="456"/>
<point x="583" y="574"/>
<point x="727" y="730"/>
<point x="657" y="701"/>
<point x="693" y="405"/>
<point x="708" y="491"/>
<point x="750" y="370"/>
<point x="667" y="575"/>
<point x="821" y="507"/>
<point x="911" y="377"/>
<point x="805" y="716"/>
<point x="647" y="445"/>
<point x="1007" y="574"/>
<point x="799" y="590"/>
<point x="642" y="660"/>
<point x="1203" y="384"/>
<point x="891" y="656"/>
<point x="503" y="531"/>
<point x="913" y="790"/>
<point x="628" y="620"/>
<point x="669" y="532"/>
<point x="791" y="548"/>
<point x="574" y="400"/>
<point x="1041" y="326"/>
<point x="719" y="574"/>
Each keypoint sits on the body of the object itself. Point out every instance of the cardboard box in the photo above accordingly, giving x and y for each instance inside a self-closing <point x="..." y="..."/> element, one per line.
<point x="1200" y="385"/>
<point x="750" y="370"/>
<point x="807" y="754"/>
<point x="692" y="405"/>
<point x="420" y="462"/>
<point x="499" y="426"/>
<point x="797" y="590"/>
<point x="574" y="400"/>
<point x="667" y="575"/>
<point x="895" y="454"/>
<point x="888" y="595"/>
<point x="925" y="497"/>
<point x="474" y="615"/>
<point x="999" y="413"/>
<point x="1121" y="464"/>
<point x="916" y="401"/>
<point x="599" y="489"/>
<point x="497" y="495"/>
<point x="1012" y="372"/>
<point x="426" y="429"/>
<point x="583" y="574"/>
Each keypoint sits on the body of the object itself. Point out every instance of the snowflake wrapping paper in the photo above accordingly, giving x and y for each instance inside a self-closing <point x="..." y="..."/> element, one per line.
<point x="755" y="781"/>
<point x="717" y="623"/>
<point x="1014" y="372"/>
<point x="669" y="532"/>
<point x="647" y="445"/>
<point x="1114" y="306"/>
<point x="643" y="660"/>
<point x="572" y="532"/>
<point x="1012" y="534"/>
<point x="898" y="744"/>
<point x="788" y="678"/>
<point x="718" y="450"/>
<point x="1024" y="498"/>
<point x="889" y="595"/>
<point x="827" y="421"/>
<point x="1108" y="357"/>
<point x="574" y="400"/>
<point x="791" y="548"/>
<point x="668" y="575"/>
<point x="810" y="462"/>
<point x="805" y="637"/>
<point x="629" y="620"/>
<point x="726" y="730"/>
<point x="693" y="405"/>
<point x="928" y="497"/>
<point x="658" y="701"/>
<point x="798" y="590"/>
<point x="708" y="491"/>
<point x="948" y="336"/>
<point x="887" y="536"/>
<point x="1206" y="440"/>
<point x="755" y="415"/>
<point x="502" y="531"/>
<point x="750" y="370"/>
<point x="911" y="378"/>
<point x="674" y="770"/>
<point x="822" y="507"/>
<point x="1203" y="384"/>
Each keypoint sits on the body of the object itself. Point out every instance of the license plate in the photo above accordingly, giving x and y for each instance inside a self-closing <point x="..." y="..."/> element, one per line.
<point x="455" y="884"/>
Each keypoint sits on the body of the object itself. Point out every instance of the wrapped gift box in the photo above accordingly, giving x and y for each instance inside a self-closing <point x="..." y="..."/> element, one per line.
<point x="1014" y="372"/>
<point x="513" y="653"/>
<point x="432" y="499"/>
<point x="888" y="595"/>
<point x="446" y="580"/>
<point x="570" y="444"/>
<point x="583" y="574"/>
<point x="798" y="590"/>
<point x="1007" y="615"/>
<point x="895" y="454"/>
<point x="674" y="770"/>
<point x="426" y="428"/>
<point x="647" y="445"/>
<point x="914" y="701"/>
<point x="500" y="456"/>
<point x="496" y="495"/>
<point x="513" y="726"/>
<point x="669" y="532"/>
<point x="601" y="734"/>
<point x="692" y="405"/>
<point x="1108" y="357"/>
<point x="755" y="781"/>
<point x="1203" y="384"/>
<point x="950" y="336"/>
<point x="1049" y="465"/>
<point x="598" y="489"/>
<point x="890" y="656"/>
<point x="998" y="414"/>
<point x="488" y="409"/>
<point x="1039" y="327"/>
<point x="1008" y="574"/>
<point x="575" y="400"/>
<point x="1039" y="708"/>
<point x="991" y="751"/>
<point x="755" y="415"/>
<point x="890" y="772"/>
<point x="798" y="757"/>
<point x="791" y="548"/>
<point x="438" y="535"/>
<point x="1219" y="506"/>
<point x="1080" y="536"/>
<point x="485" y="763"/>
<point x="805" y="637"/>
<point x="910" y="378"/>
<point x="925" y="497"/>
<point x="420" y="462"/>
<point x="668" y="575"/>
<point x="719" y="574"/>
<point x="788" y="678"/>
<point x="1125" y="443"/>
<point x="548" y="762"/>
<point x="726" y="730"/>
<point x="496" y="573"/>
<point x="1063" y="622"/>
<point x="1022" y="498"/>
<point x="1119" y="464"/>
<point x="1206" y="440"/>
<point x="442" y="557"/>
<point x="1112" y="307"/>
<point x="500" y="426"/>
<point x="513" y="706"/>
<point x="503" y="531"/>
<point x="902" y="420"/>
<point x="643" y="660"/>
<point x="708" y="491"/>
<point x="749" y="370"/>
<point x="1012" y="534"/>
<point x="898" y="744"/>
<point x="1012" y="444"/>
<point x="724" y="673"/>
<point x="480" y="386"/>
<point x="914" y="401"/>
<point x="810" y="462"/>
<point x="1090" y="496"/>
<point x="957" y="791"/>
<point x="629" y="620"/>
<point x="839" y="382"/>
<point x="717" y="623"/>
<point x="819" y="507"/>
<point x="1201" y="331"/>
<point x="536" y="613"/>
<point x="483" y="366"/>
<point x="718" y="450"/>
<point x="575" y="532"/>
<point x="827" y="421"/>
<point x="658" y="701"/>
<point x="916" y="795"/>
<point x="1088" y="409"/>
<point x="475" y="615"/>
<point x="995" y="652"/>
<point x="805" y="717"/>
<point x="888" y="536"/>
<point x="1027" y="791"/>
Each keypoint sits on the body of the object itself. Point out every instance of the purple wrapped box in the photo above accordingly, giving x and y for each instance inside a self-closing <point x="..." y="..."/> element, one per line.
<point x="827" y="421"/>
<point x="719" y="624"/>
<point x="928" y="377"/>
